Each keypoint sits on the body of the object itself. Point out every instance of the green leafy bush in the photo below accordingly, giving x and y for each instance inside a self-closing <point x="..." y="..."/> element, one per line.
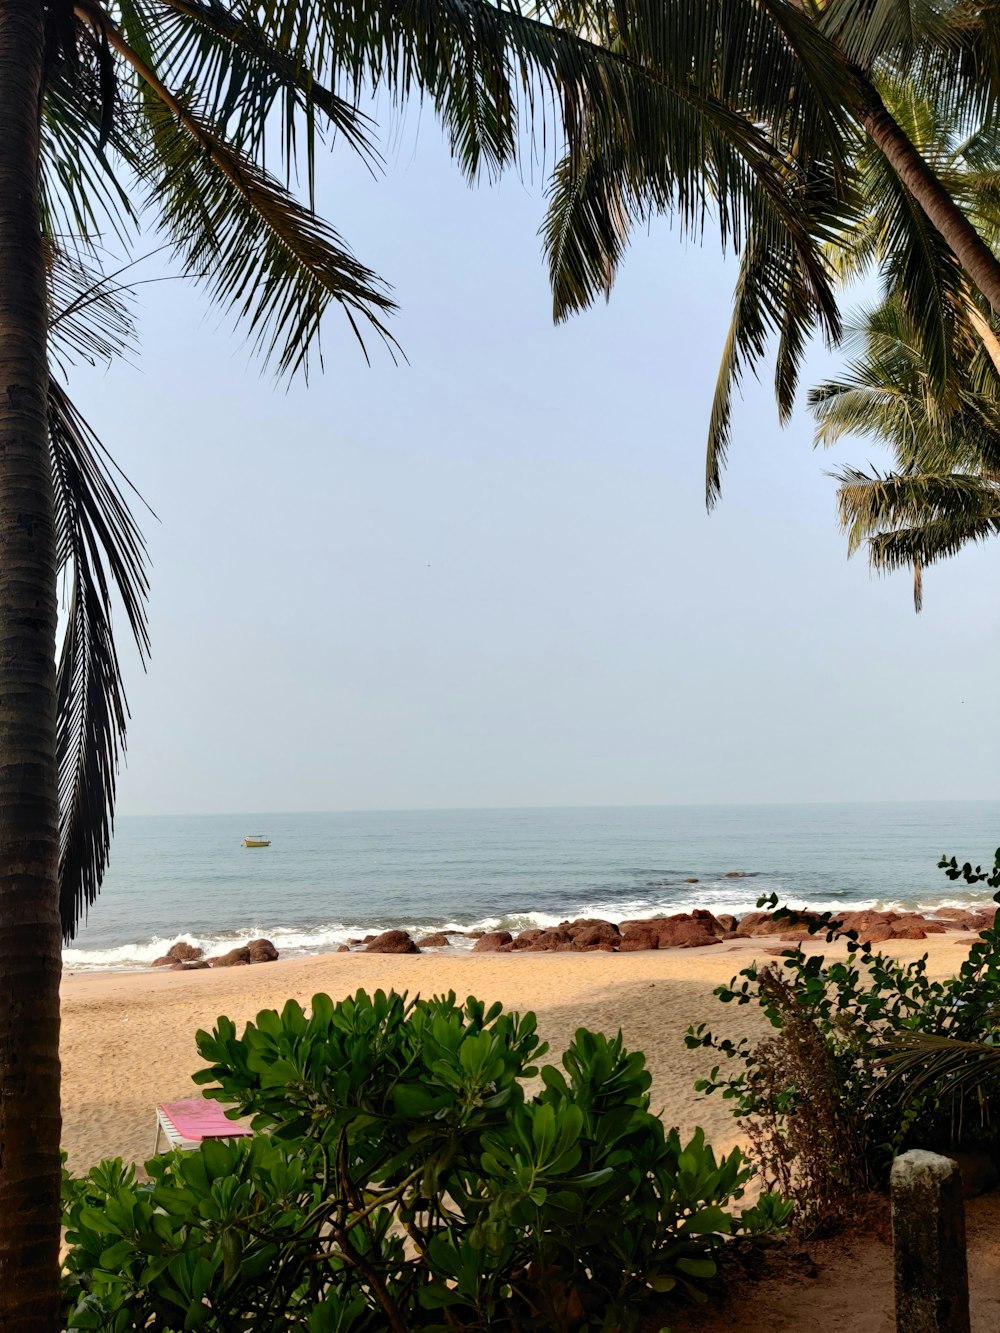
<point x="826" y="1101"/>
<point x="399" y="1177"/>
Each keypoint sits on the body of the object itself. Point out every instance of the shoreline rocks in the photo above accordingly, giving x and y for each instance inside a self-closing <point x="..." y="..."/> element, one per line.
<point x="391" y="941"/>
<point x="701" y="928"/>
<point x="697" y="929"/>
<point x="184" y="957"/>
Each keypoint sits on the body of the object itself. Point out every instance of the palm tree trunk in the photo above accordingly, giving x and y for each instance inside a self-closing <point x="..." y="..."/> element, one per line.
<point x="968" y="247"/>
<point x="29" y="816"/>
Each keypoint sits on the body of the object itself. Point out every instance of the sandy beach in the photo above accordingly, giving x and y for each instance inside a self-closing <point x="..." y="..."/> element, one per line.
<point x="128" y="1042"/>
<point x="128" y="1039"/>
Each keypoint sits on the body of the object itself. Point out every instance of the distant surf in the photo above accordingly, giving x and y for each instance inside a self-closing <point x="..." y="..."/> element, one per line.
<point x="330" y="879"/>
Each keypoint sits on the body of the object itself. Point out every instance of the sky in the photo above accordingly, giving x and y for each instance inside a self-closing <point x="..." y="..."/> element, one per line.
<point x="487" y="577"/>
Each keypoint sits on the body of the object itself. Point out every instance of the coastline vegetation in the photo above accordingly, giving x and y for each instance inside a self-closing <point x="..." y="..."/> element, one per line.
<point x="869" y="1057"/>
<point x="760" y="117"/>
<point x="402" y="1176"/>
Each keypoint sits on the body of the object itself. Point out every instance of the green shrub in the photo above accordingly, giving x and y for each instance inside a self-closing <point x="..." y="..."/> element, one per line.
<point x="400" y="1178"/>
<point x="823" y="1115"/>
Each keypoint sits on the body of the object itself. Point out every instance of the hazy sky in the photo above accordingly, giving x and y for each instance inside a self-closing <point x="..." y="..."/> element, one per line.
<point x="487" y="577"/>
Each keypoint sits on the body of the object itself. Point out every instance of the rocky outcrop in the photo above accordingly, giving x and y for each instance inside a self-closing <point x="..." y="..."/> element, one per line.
<point x="908" y="930"/>
<point x="682" y="931"/>
<point x="872" y="927"/>
<point x="391" y="941"/>
<point x="958" y="918"/>
<point x="600" y="935"/>
<point x="692" y="932"/>
<point x="492" y="941"/>
<point x="697" y="929"/>
<point x="182" y="952"/>
<point x="551" y="940"/>
<point x="764" y="923"/>
<point x="196" y="965"/>
<point x="638" y="936"/>
<point x="234" y="958"/>
<point x="525" y="939"/>
<point x="257" y="951"/>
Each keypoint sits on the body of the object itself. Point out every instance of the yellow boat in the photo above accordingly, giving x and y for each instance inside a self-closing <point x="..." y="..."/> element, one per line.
<point x="256" y="840"/>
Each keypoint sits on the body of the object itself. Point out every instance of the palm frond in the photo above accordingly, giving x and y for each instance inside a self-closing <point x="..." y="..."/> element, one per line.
<point x="929" y="541"/>
<point x="249" y="79"/>
<point x="100" y="548"/>
<point x="869" y="502"/>
<point x="918" y="1065"/>
<point x="868" y="31"/>
<point x="263" y="254"/>
<point x="90" y="318"/>
<point x="82" y="194"/>
<point x="774" y="298"/>
<point x="584" y="235"/>
<point x="746" y="344"/>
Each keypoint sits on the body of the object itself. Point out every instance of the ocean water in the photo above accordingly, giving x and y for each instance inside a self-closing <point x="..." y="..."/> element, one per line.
<point x="329" y="877"/>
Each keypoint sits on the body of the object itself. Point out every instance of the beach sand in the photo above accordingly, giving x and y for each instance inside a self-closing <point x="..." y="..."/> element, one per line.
<point x="128" y="1039"/>
<point x="128" y="1043"/>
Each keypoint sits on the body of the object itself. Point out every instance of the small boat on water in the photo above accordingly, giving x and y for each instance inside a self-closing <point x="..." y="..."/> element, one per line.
<point x="256" y="840"/>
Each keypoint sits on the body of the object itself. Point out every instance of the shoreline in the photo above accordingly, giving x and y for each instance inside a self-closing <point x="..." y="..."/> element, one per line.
<point x="691" y="929"/>
<point x="129" y="1038"/>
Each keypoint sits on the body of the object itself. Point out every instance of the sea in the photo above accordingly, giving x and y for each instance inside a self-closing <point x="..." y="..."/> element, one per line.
<point x="330" y="878"/>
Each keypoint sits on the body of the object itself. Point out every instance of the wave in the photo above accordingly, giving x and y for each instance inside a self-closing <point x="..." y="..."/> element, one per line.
<point x="300" y="940"/>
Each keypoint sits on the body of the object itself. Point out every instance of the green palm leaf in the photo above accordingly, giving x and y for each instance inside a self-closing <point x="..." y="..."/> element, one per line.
<point x="918" y="1065"/>
<point x="100" y="548"/>
<point x="262" y="253"/>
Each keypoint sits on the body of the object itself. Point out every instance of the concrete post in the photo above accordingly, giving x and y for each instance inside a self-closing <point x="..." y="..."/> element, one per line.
<point x="928" y="1239"/>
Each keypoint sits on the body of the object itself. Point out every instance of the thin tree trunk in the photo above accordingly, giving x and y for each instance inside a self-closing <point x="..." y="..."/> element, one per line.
<point x="969" y="248"/>
<point x="29" y="817"/>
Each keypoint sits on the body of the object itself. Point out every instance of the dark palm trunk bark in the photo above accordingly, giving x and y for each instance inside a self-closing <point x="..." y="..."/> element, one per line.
<point x="29" y="819"/>
<point x="968" y="247"/>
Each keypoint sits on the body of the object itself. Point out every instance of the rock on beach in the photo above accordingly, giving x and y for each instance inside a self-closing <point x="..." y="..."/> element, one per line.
<point x="391" y="941"/>
<point x="697" y="929"/>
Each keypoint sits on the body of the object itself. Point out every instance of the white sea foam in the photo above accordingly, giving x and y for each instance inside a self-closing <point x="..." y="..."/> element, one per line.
<point x="297" y="941"/>
<point x="289" y="941"/>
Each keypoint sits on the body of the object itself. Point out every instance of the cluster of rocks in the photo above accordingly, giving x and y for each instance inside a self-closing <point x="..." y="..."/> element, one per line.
<point x="683" y="930"/>
<point x="184" y="957"/>
<point x="400" y="941"/>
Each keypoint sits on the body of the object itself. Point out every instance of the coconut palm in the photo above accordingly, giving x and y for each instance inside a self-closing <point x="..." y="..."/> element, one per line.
<point x="808" y="73"/>
<point x="943" y="491"/>
<point x="122" y="113"/>
<point x="925" y="381"/>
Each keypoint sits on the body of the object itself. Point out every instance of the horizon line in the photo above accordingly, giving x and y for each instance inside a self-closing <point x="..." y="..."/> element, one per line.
<point x="620" y="805"/>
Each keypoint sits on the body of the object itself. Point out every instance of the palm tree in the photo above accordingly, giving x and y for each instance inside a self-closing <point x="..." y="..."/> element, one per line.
<point x="943" y="492"/>
<point x="117" y="111"/>
<point x="925" y="382"/>
<point x="828" y="82"/>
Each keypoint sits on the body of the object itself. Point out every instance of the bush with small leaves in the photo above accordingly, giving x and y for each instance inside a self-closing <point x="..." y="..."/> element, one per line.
<point x="844" y="1083"/>
<point x="399" y="1178"/>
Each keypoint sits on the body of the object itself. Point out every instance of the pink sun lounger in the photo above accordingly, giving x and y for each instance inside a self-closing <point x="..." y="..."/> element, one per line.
<point x="185" y="1124"/>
